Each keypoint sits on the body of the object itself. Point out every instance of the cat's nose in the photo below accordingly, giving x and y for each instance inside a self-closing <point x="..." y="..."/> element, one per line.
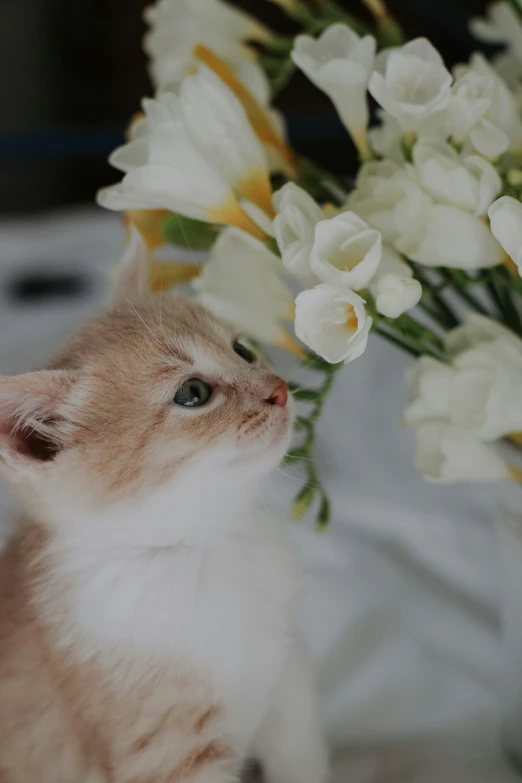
<point x="278" y="395"/>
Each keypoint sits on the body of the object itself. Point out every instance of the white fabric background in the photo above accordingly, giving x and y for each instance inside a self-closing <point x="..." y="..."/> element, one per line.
<point x="413" y="597"/>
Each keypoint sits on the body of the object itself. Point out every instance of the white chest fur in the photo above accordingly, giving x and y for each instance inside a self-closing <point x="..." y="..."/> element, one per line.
<point x="224" y="606"/>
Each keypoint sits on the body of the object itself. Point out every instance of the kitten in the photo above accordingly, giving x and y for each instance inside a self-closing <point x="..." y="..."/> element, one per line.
<point x="147" y="606"/>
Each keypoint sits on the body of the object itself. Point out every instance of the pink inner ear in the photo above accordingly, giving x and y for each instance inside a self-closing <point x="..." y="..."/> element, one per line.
<point x="28" y="442"/>
<point x="31" y="414"/>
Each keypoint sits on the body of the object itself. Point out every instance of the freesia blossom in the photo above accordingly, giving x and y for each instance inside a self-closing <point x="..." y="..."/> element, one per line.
<point x="411" y="82"/>
<point x="242" y="284"/>
<point x="505" y="216"/>
<point x="469" y="183"/>
<point x="447" y="236"/>
<point x="294" y="229"/>
<point x="448" y="454"/>
<point x="266" y="122"/>
<point x="232" y="148"/>
<point x="475" y="330"/>
<point x="394" y="288"/>
<point x="346" y="251"/>
<point x="177" y="26"/>
<point x="339" y="62"/>
<point x="395" y="294"/>
<point x="386" y="138"/>
<point x="497" y="128"/>
<point x="389" y="198"/>
<point x="502" y="26"/>
<point x="479" y="391"/>
<point x="332" y="321"/>
<point x="470" y="101"/>
<point x="169" y="165"/>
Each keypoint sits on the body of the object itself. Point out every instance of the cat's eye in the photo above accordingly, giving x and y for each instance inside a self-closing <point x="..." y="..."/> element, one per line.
<point x="245" y="353"/>
<point x="193" y="393"/>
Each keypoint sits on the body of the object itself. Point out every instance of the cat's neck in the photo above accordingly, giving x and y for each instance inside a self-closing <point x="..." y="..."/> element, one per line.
<point x="191" y="509"/>
<point x="97" y="575"/>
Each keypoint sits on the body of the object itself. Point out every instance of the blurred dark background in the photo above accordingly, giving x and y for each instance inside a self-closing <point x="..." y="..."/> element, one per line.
<point x="72" y="72"/>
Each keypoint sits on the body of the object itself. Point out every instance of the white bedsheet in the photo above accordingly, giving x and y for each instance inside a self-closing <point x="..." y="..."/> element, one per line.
<point x="408" y="589"/>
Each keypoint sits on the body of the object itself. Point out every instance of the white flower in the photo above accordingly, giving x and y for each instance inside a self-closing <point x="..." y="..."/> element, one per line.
<point x="428" y="382"/>
<point x="411" y="82"/>
<point x="470" y="183"/>
<point x="502" y="26"/>
<point x="345" y="251"/>
<point x="294" y="229"/>
<point x="393" y="287"/>
<point x="505" y="216"/>
<point x="479" y="391"/>
<point x="389" y="198"/>
<point x="241" y="283"/>
<point x="475" y="330"/>
<point x="448" y="454"/>
<point x="487" y="388"/>
<point x="447" y="236"/>
<point x="386" y="138"/>
<point x="340" y="64"/>
<point x="396" y="293"/>
<point x="168" y="166"/>
<point x="470" y="100"/>
<point x="332" y="321"/>
<point x="498" y="127"/>
<point x="177" y="26"/>
<point x="219" y="127"/>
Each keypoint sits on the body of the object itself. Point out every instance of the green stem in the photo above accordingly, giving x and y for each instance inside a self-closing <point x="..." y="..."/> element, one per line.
<point x="316" y="19"/>
<point x="415" y="333"/>
<point x="280" y="45"/>
<point x="501" y="287"/>
<point x="304" y="453"/>
<point x="311" y="173"/>
<point x="394" y="340"/>
<point x="390" y="33"/>
<point x="471" y="300"/>
<point x="495" y="297"/>
<point x="336" y="13"/>
<point x="445" y="314"/>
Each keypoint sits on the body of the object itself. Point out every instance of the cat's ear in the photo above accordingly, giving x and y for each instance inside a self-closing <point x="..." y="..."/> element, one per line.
<point x="132" y="271"/>
<point x="35" y="420"/>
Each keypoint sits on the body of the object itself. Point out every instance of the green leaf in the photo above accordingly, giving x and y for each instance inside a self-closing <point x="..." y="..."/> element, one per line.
<point x="303" y="501"/>
<point x="323" y="517"/>
<point x="186" y="232"/>
<point x="306" y="395"/>
<point x="460" y="278"/>
<point x="302" y="423"/>
<point x="296" y="455"/>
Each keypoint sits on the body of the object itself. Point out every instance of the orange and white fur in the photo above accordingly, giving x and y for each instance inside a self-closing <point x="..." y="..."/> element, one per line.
<point x="147" y="605"/>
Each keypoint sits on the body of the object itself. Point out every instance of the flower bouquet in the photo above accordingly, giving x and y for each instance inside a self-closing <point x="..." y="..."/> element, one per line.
<point x="423" y="248"/>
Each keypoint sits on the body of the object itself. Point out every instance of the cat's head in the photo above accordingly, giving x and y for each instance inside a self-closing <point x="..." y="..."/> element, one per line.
<point x="153" y="388"/>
